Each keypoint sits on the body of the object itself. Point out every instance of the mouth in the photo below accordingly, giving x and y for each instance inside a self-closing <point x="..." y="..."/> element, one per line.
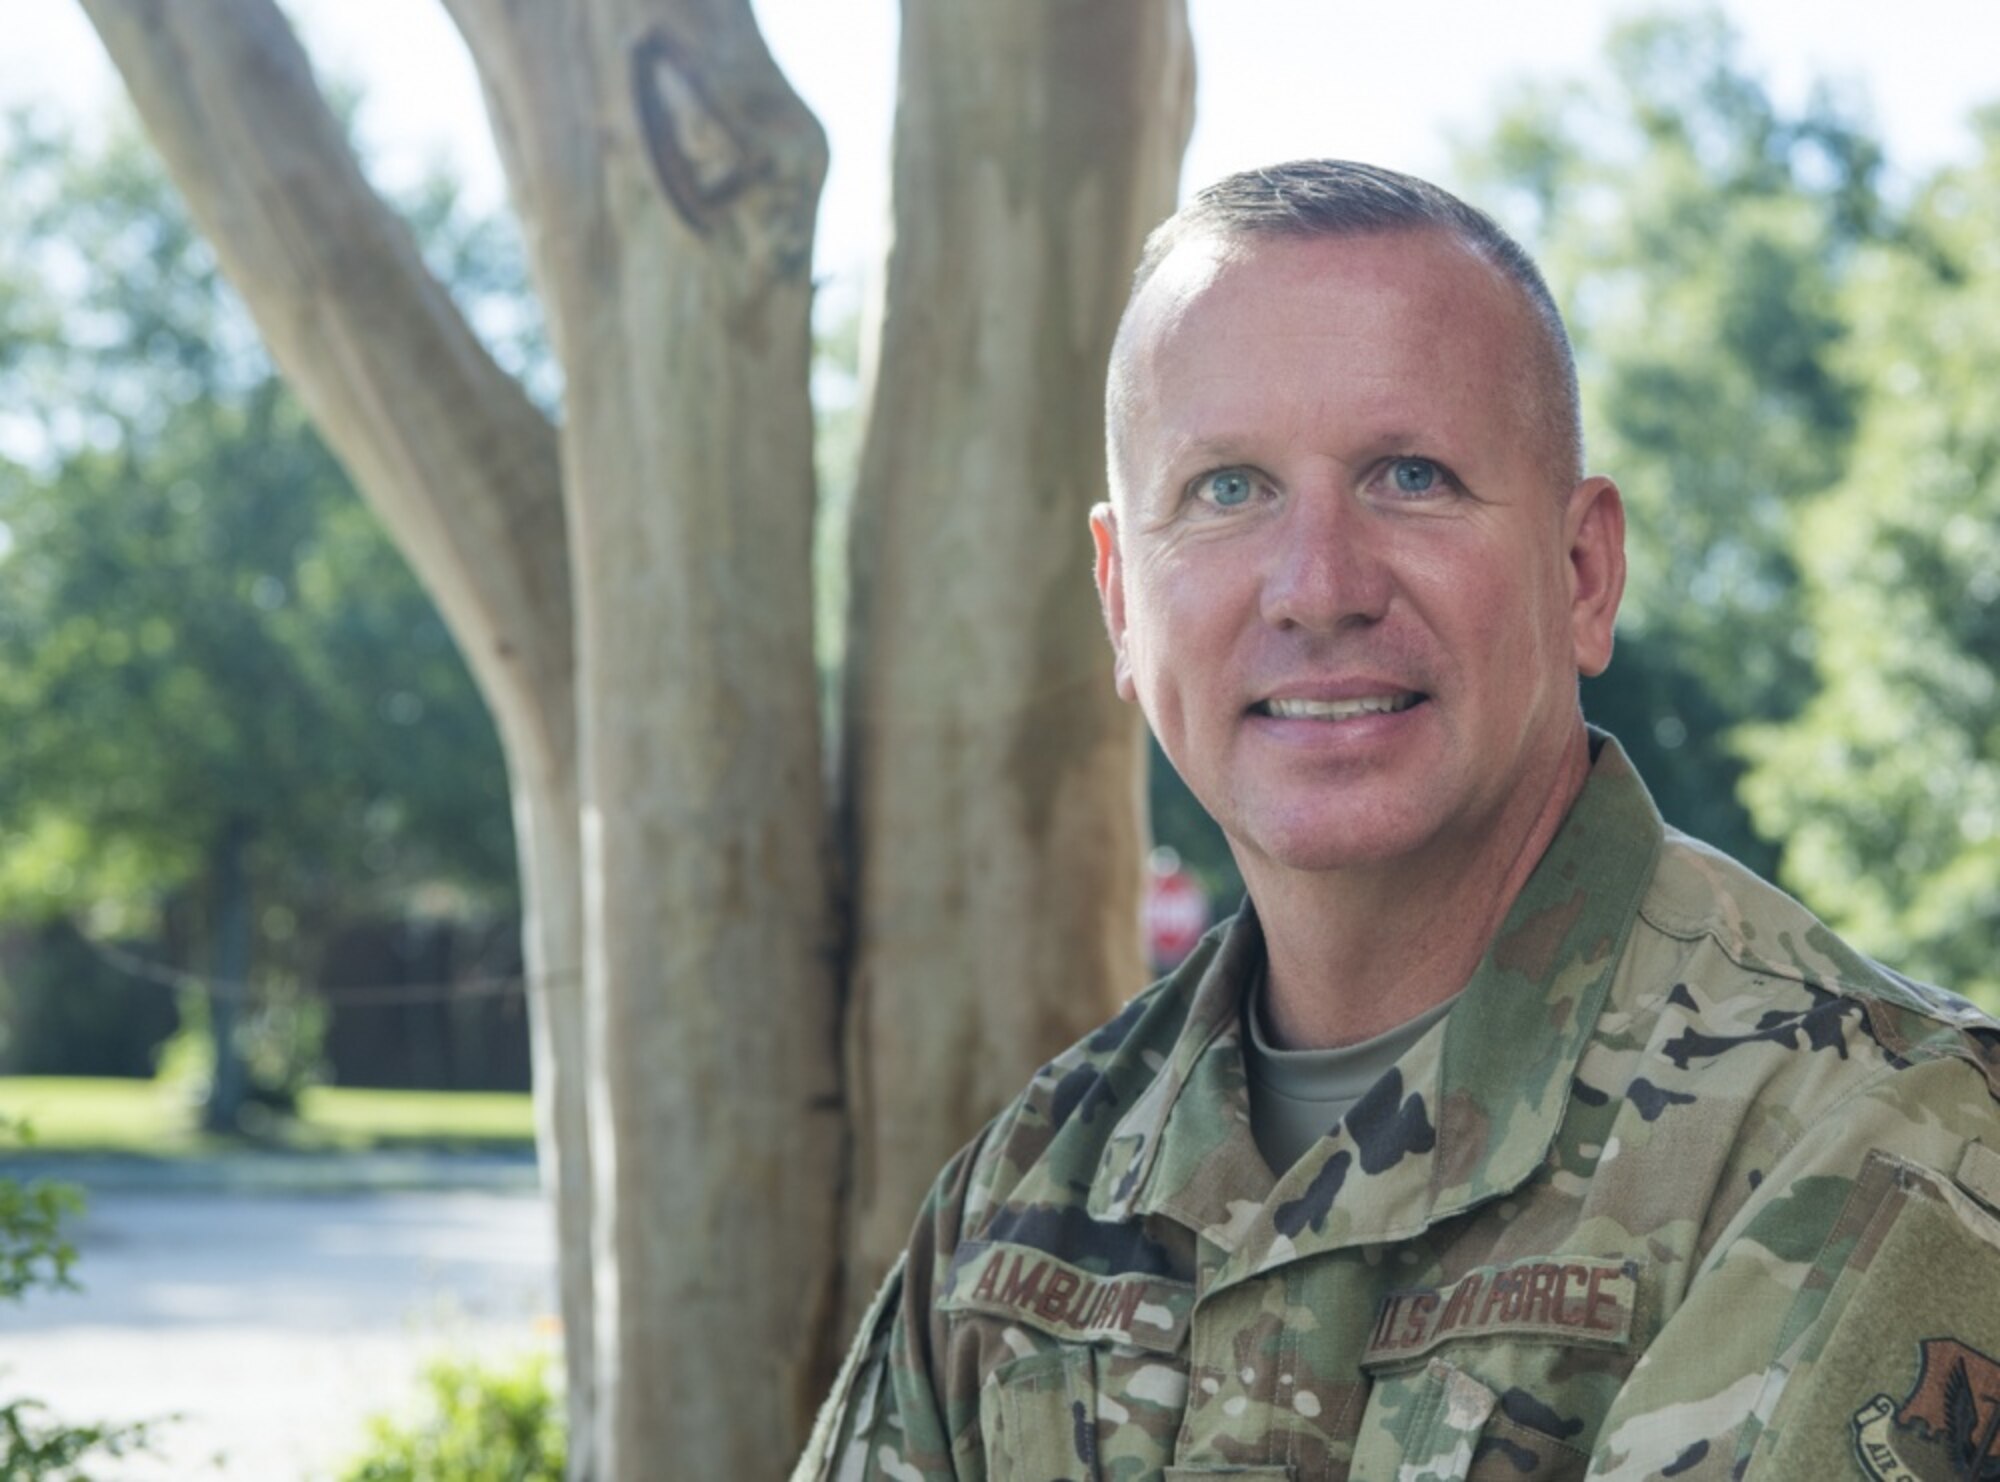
<point x="1299" y="709"/>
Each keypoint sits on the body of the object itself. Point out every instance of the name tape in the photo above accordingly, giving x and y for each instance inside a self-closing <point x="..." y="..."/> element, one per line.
<point x="1032" y="1286"/>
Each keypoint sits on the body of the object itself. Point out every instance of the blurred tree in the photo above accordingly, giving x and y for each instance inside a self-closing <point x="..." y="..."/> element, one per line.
<point x="1698" y="236"/>
<point x="67" y="1009"/>
<point x="214" y="668"/>
<point x="1886" y="788"/>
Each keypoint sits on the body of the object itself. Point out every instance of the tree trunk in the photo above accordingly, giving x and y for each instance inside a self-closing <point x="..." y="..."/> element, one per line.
<point x="229" y="978"/>
<point x="546" y="839"/>
<point x="669" y="178"/>
<point x="992" y="776"/>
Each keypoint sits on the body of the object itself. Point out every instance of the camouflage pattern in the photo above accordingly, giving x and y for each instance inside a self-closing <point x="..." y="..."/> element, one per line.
<point x="1682" y="1187"/>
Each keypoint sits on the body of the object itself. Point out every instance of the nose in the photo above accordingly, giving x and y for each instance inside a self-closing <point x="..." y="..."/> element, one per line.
<point x="1328" y="570"/>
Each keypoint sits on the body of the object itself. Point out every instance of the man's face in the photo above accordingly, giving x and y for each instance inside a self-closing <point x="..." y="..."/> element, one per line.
<point x="1345" y="576"/>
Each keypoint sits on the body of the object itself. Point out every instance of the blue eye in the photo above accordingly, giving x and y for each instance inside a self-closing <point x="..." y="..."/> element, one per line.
<point x="1414" y="475"/>
<point x="1226" y="489"/>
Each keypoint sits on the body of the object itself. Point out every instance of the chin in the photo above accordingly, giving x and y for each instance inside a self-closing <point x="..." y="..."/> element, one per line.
<point x="1339" y="841"/>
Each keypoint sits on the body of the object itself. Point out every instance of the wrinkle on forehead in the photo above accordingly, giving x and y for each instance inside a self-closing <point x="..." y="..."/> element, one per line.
<point x="1159" y="311"/>
<point x="1155" y="312"/>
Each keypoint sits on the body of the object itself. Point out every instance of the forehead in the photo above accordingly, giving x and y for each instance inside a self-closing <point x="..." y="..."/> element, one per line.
<point x="1387" y="334"/>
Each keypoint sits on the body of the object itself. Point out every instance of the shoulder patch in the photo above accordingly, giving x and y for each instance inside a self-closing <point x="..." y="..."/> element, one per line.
<point x="1898" y="1372"/>
<point x="1979" y="1174"/>
<point x="1951" y="1414"/>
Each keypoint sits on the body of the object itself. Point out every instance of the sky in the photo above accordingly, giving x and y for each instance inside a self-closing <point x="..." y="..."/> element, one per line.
<point x="1278" y="79"/>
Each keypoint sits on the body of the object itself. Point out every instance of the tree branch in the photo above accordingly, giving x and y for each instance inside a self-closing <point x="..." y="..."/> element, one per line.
<point x="444" y="443"/>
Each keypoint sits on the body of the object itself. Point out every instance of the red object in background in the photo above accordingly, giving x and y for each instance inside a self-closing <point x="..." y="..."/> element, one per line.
<point x="1176" y="910"/>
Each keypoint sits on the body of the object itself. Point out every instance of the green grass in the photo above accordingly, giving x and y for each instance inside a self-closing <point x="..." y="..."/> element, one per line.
<point x="475" y="1118"/>
<point x="78" y="1115"/>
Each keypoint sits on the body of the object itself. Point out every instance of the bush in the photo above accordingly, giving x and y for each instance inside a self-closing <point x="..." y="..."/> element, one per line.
<point x="34" y="1448"/>
<point x="34" y="1253"/>
<point x="500" y="1424"/>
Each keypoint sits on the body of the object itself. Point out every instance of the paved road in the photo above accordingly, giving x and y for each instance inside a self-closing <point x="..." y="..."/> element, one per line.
<point x="273" y="1322"/>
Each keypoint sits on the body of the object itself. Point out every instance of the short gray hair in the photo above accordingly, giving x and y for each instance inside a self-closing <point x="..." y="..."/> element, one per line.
<point x="1343" y="198"/>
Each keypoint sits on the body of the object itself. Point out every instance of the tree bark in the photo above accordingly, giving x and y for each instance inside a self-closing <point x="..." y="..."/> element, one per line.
<point x="549" y="847"/>
<point x="670" y="179"/>
<point x="460" y="465"/>
<point x="992" y="777"/>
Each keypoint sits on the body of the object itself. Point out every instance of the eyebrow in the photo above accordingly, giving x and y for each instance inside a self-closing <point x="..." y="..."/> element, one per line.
<point x="1208" y="451"/>
<point x="1223" y="450"/>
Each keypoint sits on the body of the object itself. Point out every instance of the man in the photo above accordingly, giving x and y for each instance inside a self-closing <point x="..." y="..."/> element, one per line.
<point x="1504" y="1133"/>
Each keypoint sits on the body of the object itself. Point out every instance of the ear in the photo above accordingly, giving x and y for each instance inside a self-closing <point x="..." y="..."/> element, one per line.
<point x="1594" y="527"/>
<point x="1111" y="595"/>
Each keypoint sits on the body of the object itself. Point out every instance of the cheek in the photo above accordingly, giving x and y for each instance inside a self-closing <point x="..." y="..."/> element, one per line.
<point x="1175" y="646"/>
<point x="1497" y="617"/>
<point x="1141" y="642"/>
<point x="1539" y="648"/>
<point x="1158" y="609"/>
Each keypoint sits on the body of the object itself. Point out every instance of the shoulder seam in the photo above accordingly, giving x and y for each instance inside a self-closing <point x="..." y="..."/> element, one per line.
<point x="1691" y="933"/>
<point x="1840" y="986"/>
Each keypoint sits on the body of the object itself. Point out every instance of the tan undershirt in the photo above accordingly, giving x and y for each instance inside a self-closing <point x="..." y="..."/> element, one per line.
<point x="1296" y="1096"/>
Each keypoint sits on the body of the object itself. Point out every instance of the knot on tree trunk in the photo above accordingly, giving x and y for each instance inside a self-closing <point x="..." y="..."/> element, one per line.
<point x="699" y="160"/>
<point x="729" y="142"/>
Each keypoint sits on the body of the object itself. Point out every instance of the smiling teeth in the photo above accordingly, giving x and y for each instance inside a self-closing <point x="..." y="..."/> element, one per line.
<point x="1339" y="709"/>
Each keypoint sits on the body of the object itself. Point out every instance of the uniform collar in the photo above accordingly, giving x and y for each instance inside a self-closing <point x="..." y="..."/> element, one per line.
<point x="1467" y="1114"/>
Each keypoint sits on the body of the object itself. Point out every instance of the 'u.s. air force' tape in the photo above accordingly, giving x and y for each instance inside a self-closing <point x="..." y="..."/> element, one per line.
<point x="1567" y="1299"/>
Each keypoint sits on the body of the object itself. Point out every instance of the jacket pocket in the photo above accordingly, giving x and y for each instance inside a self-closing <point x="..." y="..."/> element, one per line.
<point x="1439" y="1424"/>
<point x="1083" y="1372"/>
<point x="1038" y="1417"/>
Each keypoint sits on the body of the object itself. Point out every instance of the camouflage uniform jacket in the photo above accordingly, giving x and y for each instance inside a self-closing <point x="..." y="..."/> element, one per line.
<point x="1682" y="1187"/>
